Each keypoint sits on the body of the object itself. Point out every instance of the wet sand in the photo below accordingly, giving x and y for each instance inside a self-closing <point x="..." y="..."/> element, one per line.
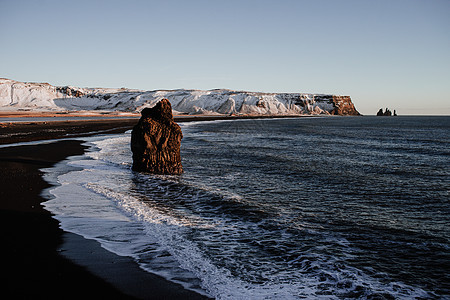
<point x="16" y="132"/>
<point x="38" y="258"/>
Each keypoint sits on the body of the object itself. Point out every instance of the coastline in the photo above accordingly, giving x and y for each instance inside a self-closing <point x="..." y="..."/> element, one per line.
<point x="51" y="258"/>
<point x="39" y="258"/>
<point x="41" y="128"/>
<point x="12" y="132"/>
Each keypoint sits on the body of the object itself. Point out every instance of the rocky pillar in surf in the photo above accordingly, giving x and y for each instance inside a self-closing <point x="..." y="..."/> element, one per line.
<point x="155" y="141"/>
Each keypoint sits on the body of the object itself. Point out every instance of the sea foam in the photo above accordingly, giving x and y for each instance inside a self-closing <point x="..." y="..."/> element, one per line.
<point x="209" y="239"/>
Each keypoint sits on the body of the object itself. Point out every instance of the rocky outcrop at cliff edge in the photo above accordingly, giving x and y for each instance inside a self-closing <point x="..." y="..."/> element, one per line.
<point x="341" y="105"/>
<point x="156" y="141"/>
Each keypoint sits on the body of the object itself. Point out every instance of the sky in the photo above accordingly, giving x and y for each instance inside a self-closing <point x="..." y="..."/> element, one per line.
<point x="383" y="53"/>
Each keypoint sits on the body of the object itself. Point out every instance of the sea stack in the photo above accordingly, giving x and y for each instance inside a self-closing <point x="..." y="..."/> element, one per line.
<point x="156" y="140"/>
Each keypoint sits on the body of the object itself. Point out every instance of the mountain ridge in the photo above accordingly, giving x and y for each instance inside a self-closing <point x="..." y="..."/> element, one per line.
<point x="16" y="95"/>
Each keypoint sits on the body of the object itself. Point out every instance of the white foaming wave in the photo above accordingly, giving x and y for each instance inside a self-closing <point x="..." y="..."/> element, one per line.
<point x="169" y="232"/>
<point x="81" y="209"/>
<point x="219" y="281"/>
<point x="185" y="125"/>
<point x="115" y="150"/>
<point x="105" y="210"/>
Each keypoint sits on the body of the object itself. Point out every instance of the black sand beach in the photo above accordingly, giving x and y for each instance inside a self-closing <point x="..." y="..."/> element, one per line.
<point x="15" y="132"/>
<point x="40" y="259"/>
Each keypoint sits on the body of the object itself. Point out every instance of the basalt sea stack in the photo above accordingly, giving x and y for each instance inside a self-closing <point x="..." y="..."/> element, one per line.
<point x="155" y="141"/>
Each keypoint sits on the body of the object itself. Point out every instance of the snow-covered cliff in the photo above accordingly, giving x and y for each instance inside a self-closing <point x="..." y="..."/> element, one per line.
<point x="16" y="95"/>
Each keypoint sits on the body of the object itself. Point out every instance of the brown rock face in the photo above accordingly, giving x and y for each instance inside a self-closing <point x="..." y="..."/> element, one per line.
<point x="344" y="106"/>
<point x="155" y="141"/>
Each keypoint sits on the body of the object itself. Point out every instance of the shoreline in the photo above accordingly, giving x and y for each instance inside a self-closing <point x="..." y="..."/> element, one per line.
<point x="11" y="133"/>
<point x="45" y="117"/>
<point x="53" y="114"/>
<point x="35" y="130"/>
<point x="39" y="258"/>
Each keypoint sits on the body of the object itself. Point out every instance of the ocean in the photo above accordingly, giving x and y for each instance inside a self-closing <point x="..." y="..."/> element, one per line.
<point x="314" y="207"/>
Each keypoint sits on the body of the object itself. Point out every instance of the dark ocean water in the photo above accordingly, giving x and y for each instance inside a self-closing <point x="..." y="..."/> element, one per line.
<point x="331" y="207"/>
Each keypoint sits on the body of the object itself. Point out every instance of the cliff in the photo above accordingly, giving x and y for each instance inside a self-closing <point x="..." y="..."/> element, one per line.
<point x="16" y="95"/>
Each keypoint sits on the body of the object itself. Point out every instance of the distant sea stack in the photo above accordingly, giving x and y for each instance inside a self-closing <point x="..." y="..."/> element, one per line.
<point x="15" y="95"/>
<point x="156" y="141"/>
<point x="387" y="113"/>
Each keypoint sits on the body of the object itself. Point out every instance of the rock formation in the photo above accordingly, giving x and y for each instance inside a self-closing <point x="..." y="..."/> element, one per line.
<point x="342" y="105"/>
<point x="386" y="113"/>
<point x="155" y="141"/>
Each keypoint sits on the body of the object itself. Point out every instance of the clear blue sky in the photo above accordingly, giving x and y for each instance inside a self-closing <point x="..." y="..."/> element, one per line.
<point x="393" y="53"/>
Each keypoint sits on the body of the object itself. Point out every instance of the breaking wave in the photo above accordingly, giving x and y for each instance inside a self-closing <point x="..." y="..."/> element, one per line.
<point x="232" y="228"/>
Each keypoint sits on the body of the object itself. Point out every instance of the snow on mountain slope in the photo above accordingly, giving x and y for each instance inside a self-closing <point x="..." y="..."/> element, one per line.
<point x="16" y="95"/>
